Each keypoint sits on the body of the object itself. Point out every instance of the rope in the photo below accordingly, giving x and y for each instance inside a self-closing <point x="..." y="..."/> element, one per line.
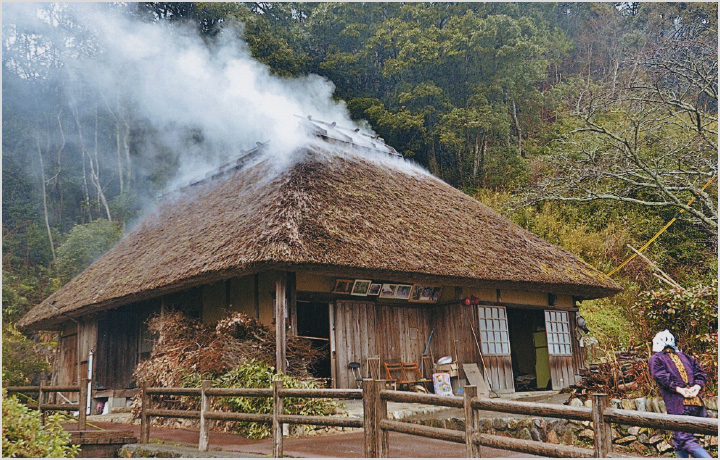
<point x="662" y="230"/>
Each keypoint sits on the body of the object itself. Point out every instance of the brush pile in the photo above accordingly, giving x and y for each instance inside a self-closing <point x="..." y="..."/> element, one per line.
<point x="622" y="374"/>
<point x="185" y="346"/>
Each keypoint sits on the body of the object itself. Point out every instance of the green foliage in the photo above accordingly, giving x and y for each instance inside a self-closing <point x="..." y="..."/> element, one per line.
<point x="255" y="374"/>
<point x="691" y="316"/>
<point x="84" y="244"/>
<point x="22" y="359"/>
<point x="23" y="434"/>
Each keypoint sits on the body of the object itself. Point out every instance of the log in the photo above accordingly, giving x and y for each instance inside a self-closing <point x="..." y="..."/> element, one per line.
<point x="64" y="407"/>
<point x="685" y="423"/>
<point x="603" y="434"/>
<point x="247" y="392"/>
<point x="194" y="414"/>
<point x="174" y="391"/>
<point x="352" y="422"/>
<point x="320" y="393"/>
<point x="531" y="447"/>
<point x="528" y="408"/>
<point x="471" y="421"/>
<point x="370" y="436"/>
<point x="383" y="445"/>
<point x="277" y="427"/>
<point x="424" y="431"/>
<point x="239" y="417"/>
<point x="144" y="419"/>
<point x="420" y="398"/>
<point x="204" y="441"/>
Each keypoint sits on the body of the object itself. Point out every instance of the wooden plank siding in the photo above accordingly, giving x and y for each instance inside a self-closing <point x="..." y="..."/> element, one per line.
<point x="364" y="329"/>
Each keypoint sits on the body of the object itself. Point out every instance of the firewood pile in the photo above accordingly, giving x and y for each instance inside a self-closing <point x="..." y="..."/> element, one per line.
<point x="621" y="374"/>
<point x="185" y="345"/>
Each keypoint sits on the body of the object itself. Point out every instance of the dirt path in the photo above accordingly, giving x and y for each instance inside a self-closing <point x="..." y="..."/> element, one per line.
<point x="341" y="445"/>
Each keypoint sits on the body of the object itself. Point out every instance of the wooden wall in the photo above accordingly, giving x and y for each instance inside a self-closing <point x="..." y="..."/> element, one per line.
<point x="366" y="329"/>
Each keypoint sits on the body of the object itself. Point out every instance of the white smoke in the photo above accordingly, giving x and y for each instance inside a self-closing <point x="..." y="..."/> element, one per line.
<point x="179" y="83"/>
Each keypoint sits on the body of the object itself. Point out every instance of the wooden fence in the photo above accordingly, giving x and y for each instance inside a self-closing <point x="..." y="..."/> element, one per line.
<point x="377" y="426"/>
<point x="43" y="390"/>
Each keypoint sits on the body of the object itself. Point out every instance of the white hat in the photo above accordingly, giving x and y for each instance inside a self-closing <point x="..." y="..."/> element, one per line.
<point x="663" y="339"/>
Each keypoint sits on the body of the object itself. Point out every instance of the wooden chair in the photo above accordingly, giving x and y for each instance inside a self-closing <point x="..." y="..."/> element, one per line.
<point x="393" y="374"/>
<point x="413" y="376"/>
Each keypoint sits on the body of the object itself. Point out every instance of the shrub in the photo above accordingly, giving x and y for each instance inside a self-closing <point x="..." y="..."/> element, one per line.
<point x="256" y="374"/>
<point x="692" y="318"/>
<point x="23" y="434"/>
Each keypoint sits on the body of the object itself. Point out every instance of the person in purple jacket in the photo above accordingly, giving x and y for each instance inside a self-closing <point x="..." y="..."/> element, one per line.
<point x="680" y="379"/>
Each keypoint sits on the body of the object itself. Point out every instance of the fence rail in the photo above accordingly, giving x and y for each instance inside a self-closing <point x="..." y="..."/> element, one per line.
<point x="43" y="390"/>
<point x="377" y="426"/>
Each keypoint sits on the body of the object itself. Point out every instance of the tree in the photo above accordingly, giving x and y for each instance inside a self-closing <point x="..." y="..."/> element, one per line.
<point x="648" y="136"/>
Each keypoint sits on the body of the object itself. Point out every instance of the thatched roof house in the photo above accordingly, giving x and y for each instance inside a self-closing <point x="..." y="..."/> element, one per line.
<point x="334" y="210"/>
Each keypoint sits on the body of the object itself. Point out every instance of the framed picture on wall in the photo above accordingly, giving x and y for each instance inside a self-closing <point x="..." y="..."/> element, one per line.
<point x="403" y="291"/>
<point x="388" y="291"/>
<point x="360" y="287"/>
<point x="424" y="293"/>
<point x="374" y="289"/>
<point x="343" y="286"/>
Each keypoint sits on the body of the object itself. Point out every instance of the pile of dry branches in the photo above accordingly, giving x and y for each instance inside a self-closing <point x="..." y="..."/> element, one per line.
<point x="185" y="345"/>
<point x="622" y="374"/>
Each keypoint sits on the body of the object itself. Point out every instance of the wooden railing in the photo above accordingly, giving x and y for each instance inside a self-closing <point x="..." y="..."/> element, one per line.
<point x="43" y="390"/>
<point x="277" y="418"/>
<point x="377" y="426"/>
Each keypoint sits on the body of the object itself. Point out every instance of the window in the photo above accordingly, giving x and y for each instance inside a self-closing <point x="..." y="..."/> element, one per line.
<point x="494" y="339"/>
<point x="558" y="333"/>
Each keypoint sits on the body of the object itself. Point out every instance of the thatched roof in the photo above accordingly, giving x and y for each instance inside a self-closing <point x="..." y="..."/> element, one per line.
<point x="335" y="211"/>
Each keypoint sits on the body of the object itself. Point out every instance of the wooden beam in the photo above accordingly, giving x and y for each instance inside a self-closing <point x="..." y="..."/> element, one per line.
<point x="280" y="319"/>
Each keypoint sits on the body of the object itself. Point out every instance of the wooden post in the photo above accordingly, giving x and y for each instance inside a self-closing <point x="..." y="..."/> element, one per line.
<point x="471" y="421"/>
<point x="369" y="416"/>
<point x="280" y="318"/>
<point x="382" y="448"/>
<point x="204" y="441"/>
<point x="82" y="404"/>
<point x="41" y="398"/>
<point x="603" y="434"/>
<point x="277" y="427"/>
<point x="144" y="420"/>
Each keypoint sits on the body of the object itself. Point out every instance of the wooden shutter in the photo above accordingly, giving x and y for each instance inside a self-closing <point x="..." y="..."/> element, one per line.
<point x="495" y="347"/>
<point x="557" y="328"/>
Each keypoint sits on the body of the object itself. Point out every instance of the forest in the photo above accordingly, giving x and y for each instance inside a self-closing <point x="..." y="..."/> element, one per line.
<point x="593" y="125"/>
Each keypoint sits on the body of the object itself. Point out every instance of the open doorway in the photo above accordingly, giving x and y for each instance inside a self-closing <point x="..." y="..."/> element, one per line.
<point x="313" y="323"/>
<point x="528" y="345"/>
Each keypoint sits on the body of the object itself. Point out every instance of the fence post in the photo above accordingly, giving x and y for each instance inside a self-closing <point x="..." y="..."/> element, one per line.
<point x="82" y="404"/>
<point x="204" y="441"/>
<point x="603" y="434"/>
<point x="369" y="416"/>
<point x="381" y="436"/>
<point x="41" y="397"/>
<point x="276" y="425"/>
<point x="471" y="422"/>
<point x="144" y="419"/>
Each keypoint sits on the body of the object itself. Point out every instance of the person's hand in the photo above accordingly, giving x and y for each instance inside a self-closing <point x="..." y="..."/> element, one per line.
<point x="694" y="390"/>
<point x="684" y="392"/>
